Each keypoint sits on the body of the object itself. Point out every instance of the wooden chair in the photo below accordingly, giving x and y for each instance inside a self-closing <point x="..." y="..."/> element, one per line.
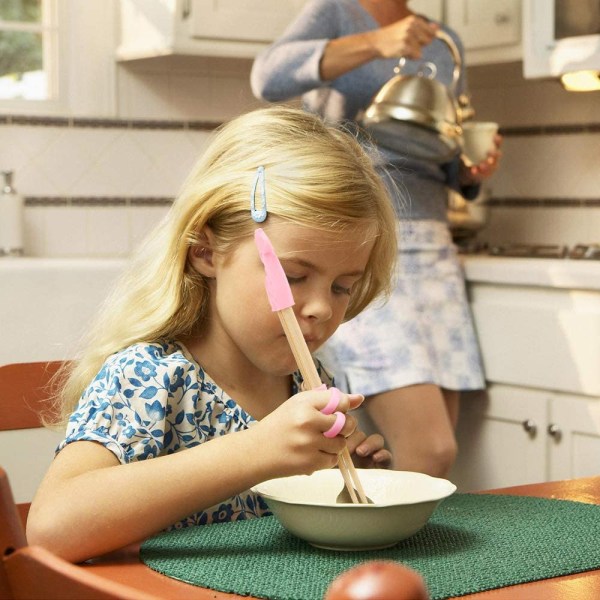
<point x="34" y="573"/>
<point x="24" y="390"/>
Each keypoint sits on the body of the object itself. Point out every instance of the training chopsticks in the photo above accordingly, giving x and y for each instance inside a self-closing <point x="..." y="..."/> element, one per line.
<point x="281" y="300"/>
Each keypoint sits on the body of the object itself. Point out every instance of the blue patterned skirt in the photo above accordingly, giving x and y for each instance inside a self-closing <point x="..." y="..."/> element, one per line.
<point x="423" y="334"/>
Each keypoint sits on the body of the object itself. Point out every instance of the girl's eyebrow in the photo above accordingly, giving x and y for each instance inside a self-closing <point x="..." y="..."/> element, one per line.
<point x="309" y="265"/>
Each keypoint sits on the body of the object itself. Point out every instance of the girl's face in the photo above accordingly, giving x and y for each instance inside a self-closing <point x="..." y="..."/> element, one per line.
<point x="322" y="270"/>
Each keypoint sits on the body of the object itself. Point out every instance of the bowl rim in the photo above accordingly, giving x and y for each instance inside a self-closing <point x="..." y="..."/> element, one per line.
<point x="432" y="497"/>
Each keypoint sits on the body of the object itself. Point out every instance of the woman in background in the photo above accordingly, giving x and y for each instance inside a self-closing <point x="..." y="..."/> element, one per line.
<point x="412" y="356"/>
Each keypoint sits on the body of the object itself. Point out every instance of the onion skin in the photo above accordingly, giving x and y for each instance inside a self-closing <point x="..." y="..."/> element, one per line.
<point x="378" y="580"/>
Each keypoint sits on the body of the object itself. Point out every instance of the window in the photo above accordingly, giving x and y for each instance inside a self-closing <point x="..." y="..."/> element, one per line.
<point x="28" y="53"/>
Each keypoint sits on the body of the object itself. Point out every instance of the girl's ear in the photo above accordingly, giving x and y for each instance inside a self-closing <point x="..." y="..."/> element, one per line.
<point x="200" y="255"/>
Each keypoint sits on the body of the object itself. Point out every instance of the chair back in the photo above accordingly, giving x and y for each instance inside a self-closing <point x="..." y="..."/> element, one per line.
<point x="24" y="389"/>
<point x="26" y="447"/>
<point x="34" y="573"/>
<point x="12" y="534"/>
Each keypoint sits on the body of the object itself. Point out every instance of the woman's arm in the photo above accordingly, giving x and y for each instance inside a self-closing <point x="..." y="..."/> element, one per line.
<point x="311" y="51"/>
<point x="402" y="38"/>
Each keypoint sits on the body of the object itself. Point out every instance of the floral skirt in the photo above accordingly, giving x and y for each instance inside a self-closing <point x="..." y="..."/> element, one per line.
<point x="423" y="334"/>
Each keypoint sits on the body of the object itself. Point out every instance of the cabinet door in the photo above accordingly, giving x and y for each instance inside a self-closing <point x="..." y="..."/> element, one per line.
<point x="574" y="444"/>
<point x="433" y="9"/>
<point x="501" y="439"/>
<point x="255" y="21"/>
<point x="483" y="23"/>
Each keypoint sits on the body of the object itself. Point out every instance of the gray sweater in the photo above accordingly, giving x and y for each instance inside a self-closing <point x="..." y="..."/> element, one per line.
<point x="290" y="68"/>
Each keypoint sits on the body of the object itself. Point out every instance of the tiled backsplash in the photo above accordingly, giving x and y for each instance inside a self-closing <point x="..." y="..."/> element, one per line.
<point x="547" y="189"/>
<point x="94" y="187"/>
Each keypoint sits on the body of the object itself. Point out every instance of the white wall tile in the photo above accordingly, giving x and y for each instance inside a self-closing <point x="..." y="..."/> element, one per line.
<point x="35" y="231"/>
<point x="66" y="231"/>
<point x="143" y="220"/>
<point x="562" y="226"/>
<point x="108" y="231"/>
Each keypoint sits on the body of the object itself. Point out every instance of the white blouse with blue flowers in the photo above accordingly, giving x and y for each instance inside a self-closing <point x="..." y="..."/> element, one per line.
<point x="153" y="399"/>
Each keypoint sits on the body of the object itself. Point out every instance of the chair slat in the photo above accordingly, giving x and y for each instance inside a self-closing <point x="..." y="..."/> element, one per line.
<point x="24" y="390"/>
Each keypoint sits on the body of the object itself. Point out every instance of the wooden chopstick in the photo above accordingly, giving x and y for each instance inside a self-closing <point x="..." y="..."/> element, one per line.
<point x="311" y="378"/>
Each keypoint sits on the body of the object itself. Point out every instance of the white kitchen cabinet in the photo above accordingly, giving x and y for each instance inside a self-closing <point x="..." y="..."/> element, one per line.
<point x="231" y="28"/>
<point x="538" y="324"/>
<point x="574" y="444"/>
<point x="513" y="436"/>
<point x="501" y="439"/>
<point x="490" y="29"/>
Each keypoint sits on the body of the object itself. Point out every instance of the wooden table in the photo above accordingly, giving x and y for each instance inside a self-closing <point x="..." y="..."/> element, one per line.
<point x="125" y="567"/>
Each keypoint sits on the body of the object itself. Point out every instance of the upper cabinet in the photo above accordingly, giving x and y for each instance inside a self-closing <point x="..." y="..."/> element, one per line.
<point x="490" y="29"/>
<point x="231" y="28"/>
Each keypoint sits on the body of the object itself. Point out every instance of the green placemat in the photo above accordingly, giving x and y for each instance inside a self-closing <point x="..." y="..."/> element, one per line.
<point x="472" y="543"/>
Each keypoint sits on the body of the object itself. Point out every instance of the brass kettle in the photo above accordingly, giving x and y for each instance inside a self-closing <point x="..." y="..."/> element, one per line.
<point x="417" y="115"/>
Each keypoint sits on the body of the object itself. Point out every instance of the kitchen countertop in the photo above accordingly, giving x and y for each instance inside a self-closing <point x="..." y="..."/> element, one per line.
<point x="539" y="272"/>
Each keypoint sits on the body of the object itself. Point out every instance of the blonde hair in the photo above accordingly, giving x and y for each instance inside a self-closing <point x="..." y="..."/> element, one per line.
<point x="317" y="175"/>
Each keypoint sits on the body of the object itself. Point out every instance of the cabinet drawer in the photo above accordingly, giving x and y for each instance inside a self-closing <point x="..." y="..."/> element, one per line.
<point x="540" y="338"/>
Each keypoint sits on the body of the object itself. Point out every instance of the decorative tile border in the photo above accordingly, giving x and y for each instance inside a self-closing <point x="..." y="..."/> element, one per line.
<point x="536" y="130"/>
<point x="139" y="201"/>
<point x="543" y="202"/>
<point x="106" y="123"/>
<point x="95" y="201"/>
<point x="109" y="123"/>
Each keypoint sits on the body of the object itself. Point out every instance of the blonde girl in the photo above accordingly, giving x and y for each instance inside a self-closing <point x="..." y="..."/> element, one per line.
<point x="187" y="354"/>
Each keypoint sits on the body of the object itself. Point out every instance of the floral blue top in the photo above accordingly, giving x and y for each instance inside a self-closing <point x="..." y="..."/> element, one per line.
<point x="153" y="399"/>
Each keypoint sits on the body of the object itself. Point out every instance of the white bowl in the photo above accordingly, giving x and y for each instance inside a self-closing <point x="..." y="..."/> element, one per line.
<point x="306" y="506"/>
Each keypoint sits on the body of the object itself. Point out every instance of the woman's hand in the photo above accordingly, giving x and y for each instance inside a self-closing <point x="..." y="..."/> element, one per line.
<point x="292" y="435"/>
<point x="474" y="174"/>
<point x="405" y="37"/>
<point x="368" y="452"/>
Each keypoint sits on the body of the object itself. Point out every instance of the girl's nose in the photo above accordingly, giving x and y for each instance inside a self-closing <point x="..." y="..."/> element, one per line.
<point x="317" y="306"/>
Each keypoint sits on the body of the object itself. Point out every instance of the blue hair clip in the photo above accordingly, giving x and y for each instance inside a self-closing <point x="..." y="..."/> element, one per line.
<point x="259" y="214"/>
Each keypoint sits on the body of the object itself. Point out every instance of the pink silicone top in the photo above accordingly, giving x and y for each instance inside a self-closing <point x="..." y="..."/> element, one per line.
<point x="278" y="287"/>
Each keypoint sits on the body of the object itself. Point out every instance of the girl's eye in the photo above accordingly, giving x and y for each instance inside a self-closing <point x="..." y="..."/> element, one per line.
<point x="339" y="289"/>
<point x="292" y="280"/>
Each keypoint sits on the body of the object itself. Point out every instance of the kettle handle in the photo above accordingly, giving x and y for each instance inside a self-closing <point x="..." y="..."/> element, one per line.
<point x="442" y="35"/>
<point x="464" y="109"/>
<point x="455" y="56"/>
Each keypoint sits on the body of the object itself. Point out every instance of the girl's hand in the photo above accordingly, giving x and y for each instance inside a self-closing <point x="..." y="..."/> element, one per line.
<point x="292" y="440"/>
<point x="368" y="452"/>
<point x="405" y="37"/>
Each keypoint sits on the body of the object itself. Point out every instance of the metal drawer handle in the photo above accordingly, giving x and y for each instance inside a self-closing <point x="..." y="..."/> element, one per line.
<point x="530" y="427"/>
<point x="554" y="431"/>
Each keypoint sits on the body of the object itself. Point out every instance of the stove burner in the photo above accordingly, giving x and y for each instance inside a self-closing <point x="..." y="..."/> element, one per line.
<point x="530" y="250"/>
<point x="577" y="252"/>
<point x="585" y="252"/>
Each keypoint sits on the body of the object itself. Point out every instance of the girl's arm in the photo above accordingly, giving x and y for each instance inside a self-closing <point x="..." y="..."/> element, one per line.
<point x="89" y="504"/>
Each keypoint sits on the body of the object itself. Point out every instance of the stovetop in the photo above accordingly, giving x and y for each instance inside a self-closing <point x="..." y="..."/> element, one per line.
<point x="576" y="252"/>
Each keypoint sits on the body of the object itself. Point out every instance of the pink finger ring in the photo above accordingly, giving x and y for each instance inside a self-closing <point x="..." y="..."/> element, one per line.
<point x="334" y="401"/>
<point x="340" y="421"/>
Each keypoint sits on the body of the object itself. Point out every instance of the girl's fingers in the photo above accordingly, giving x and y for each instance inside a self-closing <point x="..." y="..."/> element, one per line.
<point x="339" y="424"/>
<point x="331" y="400"/>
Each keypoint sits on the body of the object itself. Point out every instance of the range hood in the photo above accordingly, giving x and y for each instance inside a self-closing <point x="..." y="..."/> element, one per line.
<point x="561" y="38"/>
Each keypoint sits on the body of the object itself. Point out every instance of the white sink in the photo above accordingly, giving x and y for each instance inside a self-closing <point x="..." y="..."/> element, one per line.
<point x="47" y="303"/>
